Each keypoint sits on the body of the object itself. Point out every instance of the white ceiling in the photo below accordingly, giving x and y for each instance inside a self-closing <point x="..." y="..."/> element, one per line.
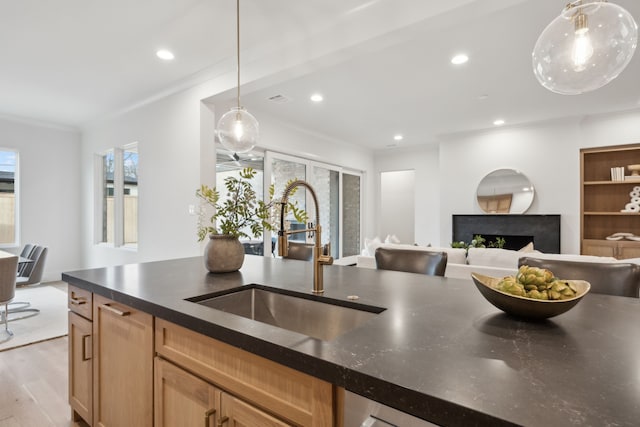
<point x="382" y="65"/>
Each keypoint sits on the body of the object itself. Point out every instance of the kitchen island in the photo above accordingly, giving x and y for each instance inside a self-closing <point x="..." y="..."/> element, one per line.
<point x="438" y="350"/>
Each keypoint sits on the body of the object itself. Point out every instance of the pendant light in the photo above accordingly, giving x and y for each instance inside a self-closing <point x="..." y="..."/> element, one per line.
<point x="585" y="48"/>
<point x="237" y="129"/>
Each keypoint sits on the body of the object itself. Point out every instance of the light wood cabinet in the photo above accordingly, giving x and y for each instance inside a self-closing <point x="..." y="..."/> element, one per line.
<point x="616" y="249"/>
<point x="80" y="368"/>
<point x="122" y="365"/>
<point x="80" y="354"/>
<point x="263" y="388"/>
<point x="182" y="399"/>
<point x="116" y="378"/>
<point x="237" y="413"/>
<point x="602" y="201"/>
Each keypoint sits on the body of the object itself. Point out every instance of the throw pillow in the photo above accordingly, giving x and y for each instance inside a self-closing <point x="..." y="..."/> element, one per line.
<point x="528" y="248"/>
<point x="370" y="246"/>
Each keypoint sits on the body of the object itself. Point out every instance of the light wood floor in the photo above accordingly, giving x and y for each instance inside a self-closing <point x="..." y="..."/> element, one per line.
<point x="33" y="385"/>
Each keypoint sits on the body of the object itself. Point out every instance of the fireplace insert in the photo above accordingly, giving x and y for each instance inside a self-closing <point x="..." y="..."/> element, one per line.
<point x="517" y="230"/>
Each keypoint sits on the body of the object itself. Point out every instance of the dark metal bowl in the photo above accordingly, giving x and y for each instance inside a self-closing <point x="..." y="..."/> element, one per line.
<point x="526" y="308"/>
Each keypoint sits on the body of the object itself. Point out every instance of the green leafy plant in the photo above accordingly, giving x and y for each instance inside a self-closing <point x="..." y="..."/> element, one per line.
<point x="480" y="242"/>
<point x="241" y="208"/>
<point x="499" y="243"/>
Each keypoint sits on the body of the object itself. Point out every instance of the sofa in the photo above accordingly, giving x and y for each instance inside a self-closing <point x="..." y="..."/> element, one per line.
<point x="487" y="261"/>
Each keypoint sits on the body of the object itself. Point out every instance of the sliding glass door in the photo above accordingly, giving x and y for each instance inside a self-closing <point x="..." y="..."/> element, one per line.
<point x="339" y="199"/>
<point x="351" y="213"/>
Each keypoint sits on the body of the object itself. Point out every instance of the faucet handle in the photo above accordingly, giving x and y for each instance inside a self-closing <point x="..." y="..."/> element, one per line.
<point x="283" y="245"/>
<point x="325" y="259"/>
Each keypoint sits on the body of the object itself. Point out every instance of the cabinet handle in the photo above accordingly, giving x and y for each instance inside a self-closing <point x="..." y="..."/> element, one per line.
<point x="114" y="310"/>
<point x="222" y="421"/>
<point x="85" y="339"/>
<point x="77" y="301"/>
<point x="207" y="415"/>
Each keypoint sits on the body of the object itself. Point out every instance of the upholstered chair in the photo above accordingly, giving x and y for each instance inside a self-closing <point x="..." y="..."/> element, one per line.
<point x="614" y="278"/>
<point x="8" y="272"/>
<point x="32" y="274"/>
<point x="412" y="261"/>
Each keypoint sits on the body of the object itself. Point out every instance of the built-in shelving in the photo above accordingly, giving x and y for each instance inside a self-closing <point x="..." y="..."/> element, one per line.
<point x="602" y="200"/>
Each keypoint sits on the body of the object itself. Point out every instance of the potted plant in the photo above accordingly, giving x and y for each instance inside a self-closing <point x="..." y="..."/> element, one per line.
<point x="240" y="214"/>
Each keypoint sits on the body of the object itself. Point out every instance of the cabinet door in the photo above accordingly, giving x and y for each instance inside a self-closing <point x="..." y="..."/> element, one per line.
<point x="599" y="247"/>
<point x="122" y="365"/>
<point x="236" y="413"/>
<point x="182" y="399"/>
<point x="628" y="250"/>
<point x="80" y="368"/>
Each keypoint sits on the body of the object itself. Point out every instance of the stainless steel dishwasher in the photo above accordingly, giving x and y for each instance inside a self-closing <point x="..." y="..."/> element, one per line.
<point x="362" y="412"/>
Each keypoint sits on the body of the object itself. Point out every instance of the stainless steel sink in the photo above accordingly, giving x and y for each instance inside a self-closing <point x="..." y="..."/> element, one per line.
<point x="323" y="319"/>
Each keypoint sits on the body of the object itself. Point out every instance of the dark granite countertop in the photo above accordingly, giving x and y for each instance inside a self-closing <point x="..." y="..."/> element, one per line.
<point x="439" y="351"/>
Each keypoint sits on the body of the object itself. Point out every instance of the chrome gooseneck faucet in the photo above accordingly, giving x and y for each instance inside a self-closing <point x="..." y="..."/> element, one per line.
<point x="319" y="259"/>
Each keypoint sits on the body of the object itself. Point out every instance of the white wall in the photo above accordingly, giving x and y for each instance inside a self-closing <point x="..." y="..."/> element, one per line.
<point x="548" y="153"/>
<point x="397" y="201"/>
<point x="168" y="136"/>
<point x="424" y="161"/>
<point x="175" y="146"/>
<point x="49" y="191"/>
<point x="175" y="156"/>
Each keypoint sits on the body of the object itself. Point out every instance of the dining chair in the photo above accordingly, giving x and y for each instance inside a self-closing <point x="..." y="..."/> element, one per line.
<point x="431" y="263"/>
<point x="32" y="273"/>
<point x="611" y="278"/>
<point x="27" y="252"/>
<point x="8" y="272"/>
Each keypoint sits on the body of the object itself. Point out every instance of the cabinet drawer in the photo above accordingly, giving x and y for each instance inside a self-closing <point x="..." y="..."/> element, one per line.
<point x="80" y="301"/>
<point x="298" y="397"/>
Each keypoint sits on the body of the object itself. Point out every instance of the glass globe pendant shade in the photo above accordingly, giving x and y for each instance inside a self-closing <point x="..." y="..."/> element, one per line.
<point x="237" y="130"/>
<point x="585" y="48"/>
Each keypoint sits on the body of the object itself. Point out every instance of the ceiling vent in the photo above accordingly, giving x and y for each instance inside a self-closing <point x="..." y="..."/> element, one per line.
<point x="280" y="99"/>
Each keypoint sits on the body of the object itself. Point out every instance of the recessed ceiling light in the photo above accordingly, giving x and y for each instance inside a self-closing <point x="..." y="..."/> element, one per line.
<point x="316" y="97"/>
<point x="398" y="137"/>
<point x="459" y="59"/>
<point x="498" y="122"/>
<point x="483" y="97"/>
<point x="165" y="54"/>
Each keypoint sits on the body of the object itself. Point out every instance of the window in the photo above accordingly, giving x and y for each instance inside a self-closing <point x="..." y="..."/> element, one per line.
<point x="339" y="196"/>
<point x="338" y="191"/>
<point x="8" y="198"/>
<point x="130" y="203"/>
<point x="108" y="171"/>
<point x="118" y="196"/>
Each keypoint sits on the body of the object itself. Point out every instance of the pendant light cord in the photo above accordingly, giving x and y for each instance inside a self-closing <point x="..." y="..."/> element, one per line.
<point x="238" y="46"/>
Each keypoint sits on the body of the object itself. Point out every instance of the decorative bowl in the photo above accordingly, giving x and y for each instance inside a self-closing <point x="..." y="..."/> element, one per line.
<point x="527" y="308"/>
<point x="634" y="169"/>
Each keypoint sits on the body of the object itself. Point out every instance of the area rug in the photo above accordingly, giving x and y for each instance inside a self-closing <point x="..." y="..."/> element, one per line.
<point x="51" y="322"/>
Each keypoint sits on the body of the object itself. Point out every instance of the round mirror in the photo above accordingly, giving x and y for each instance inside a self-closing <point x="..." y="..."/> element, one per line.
<point x="505" y="191"/>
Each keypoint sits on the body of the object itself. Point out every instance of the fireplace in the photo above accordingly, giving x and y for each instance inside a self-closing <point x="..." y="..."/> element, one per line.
<point x="517" y="230"/>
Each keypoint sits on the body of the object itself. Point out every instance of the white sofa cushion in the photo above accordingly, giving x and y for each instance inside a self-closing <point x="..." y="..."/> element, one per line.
<point x="494" y="257"/>
<point x="504" y="258"/>
<point x="459" y="271"/>
<point x="572" y="257"/>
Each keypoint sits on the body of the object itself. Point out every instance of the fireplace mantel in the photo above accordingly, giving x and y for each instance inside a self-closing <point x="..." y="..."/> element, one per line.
<point x="544" y="229"/>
